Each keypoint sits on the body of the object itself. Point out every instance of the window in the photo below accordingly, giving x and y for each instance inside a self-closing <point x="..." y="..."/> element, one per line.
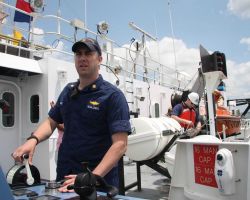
<point x="157" y="110"/>
<point x="34" y="109"/>
<point x="8" y="117"/>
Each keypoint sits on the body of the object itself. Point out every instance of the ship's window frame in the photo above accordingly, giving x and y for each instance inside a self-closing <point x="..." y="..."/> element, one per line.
<point x="34" y="105"/>
<point x="10" y="113"/>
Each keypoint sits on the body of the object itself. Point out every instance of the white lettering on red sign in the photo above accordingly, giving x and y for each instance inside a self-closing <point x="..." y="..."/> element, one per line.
<point x="204" y="161"/>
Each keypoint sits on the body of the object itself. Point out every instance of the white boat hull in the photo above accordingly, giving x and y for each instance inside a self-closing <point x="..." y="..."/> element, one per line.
<point x="150" y="136"/>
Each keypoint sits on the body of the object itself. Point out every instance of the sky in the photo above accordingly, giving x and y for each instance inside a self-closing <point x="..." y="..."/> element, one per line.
<point x="218" y="25"/>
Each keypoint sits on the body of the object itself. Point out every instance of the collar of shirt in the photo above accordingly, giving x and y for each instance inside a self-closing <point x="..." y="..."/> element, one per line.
<point x="184" y="105"/>
<point x="93" y="86"/>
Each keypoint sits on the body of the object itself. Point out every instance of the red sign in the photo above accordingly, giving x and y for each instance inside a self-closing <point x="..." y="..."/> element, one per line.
<point x="204" y="161"/>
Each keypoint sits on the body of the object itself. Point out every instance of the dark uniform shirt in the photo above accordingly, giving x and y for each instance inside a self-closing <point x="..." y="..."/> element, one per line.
<point x="90" y="116"/>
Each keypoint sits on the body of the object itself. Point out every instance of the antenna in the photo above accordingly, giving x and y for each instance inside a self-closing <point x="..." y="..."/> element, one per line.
<point x="172" y="30"/>
<point x="85" y="13"/>
<point x="156" y="33"/>
<point x="133" y="26"/>
<point x="59" y="15"/>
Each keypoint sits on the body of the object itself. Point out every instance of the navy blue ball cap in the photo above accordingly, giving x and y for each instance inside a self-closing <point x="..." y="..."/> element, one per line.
<point x="90" y="43"/>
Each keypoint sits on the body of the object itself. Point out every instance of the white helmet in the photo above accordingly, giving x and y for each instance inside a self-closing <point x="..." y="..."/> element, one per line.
<point x="194" y="98"/>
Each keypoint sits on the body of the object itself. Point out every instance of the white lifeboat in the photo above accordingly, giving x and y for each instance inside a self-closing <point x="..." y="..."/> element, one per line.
<point x="150" y="136"/>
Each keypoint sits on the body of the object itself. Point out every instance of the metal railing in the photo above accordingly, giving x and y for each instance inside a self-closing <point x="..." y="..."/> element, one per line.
<point x="132" y="62"/>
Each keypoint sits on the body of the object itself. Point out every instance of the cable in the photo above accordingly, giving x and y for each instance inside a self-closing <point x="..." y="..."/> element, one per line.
<point x="133" y="60"/>
<point x="55" y="42"/>
<point x="132" y="41"/>
<point x="118" y="80"/>
<point x="149" y="96"/>
<point x="173" y="36"/>
<point x="148" y="52"/>
<point x="107" y="58"/>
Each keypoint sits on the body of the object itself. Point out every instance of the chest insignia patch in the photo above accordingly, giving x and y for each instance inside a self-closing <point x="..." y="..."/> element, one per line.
<point x="93" y="105"/>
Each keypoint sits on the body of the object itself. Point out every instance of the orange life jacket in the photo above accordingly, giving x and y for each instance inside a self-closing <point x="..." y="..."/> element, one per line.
<point x="188" y="114"/>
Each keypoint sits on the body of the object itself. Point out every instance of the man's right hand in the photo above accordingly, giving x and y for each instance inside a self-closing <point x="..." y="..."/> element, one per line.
<point x="190" y="124"/>
<point x="192" y="132"/>
<point x="27" y="148"/>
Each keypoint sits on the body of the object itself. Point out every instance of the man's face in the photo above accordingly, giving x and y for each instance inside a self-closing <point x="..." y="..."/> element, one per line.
<point x="87" y="63"/>
<point x="189" y="103"/>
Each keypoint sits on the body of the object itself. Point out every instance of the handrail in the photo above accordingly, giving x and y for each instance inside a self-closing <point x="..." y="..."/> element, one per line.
<point x="155" y="71"/>
<point x="12" y="39"/>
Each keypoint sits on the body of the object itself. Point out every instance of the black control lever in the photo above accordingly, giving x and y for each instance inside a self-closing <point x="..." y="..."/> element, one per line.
<point x="104" y="186"/>
<point x="86" y="184"/>
<point x="30" y="180"/>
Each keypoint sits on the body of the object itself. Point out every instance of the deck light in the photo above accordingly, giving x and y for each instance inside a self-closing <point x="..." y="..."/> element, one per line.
<point x="102" y="27"/>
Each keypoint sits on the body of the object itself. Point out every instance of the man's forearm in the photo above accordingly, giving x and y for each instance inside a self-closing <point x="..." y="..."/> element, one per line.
<point x="112" y="157"/>
<point x="180" y="120"/>
<point x="45" y="130"/>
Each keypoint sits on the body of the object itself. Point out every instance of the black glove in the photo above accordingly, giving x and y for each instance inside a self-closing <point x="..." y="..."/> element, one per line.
<point x="104" y="186"/>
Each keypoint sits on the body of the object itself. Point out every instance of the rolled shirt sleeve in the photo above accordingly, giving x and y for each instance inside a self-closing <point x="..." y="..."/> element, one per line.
<point x="118" y="114"/>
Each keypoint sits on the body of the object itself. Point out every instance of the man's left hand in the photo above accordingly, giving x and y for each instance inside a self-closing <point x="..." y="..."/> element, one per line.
<point x="70" y="180"/>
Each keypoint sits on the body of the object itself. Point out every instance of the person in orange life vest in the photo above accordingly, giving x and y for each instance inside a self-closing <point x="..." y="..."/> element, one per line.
<point x="186" y="114"/>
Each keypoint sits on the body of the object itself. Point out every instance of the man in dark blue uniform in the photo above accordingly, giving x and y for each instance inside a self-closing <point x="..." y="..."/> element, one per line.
<point x="96" y="121"/>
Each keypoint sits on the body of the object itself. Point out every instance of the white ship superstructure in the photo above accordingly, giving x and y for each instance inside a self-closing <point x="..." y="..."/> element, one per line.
<point x="32" y="75"/>
<point x="214" y="166"/>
